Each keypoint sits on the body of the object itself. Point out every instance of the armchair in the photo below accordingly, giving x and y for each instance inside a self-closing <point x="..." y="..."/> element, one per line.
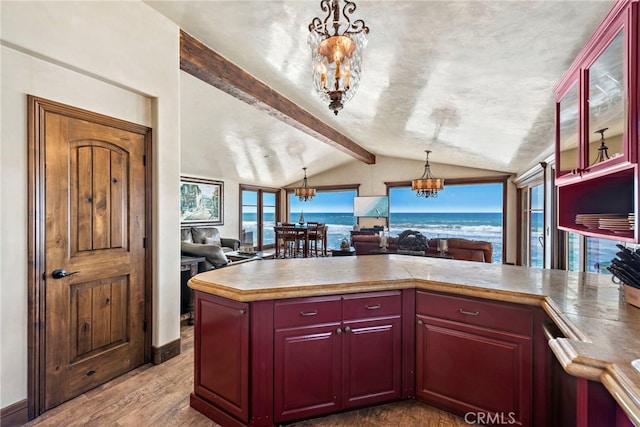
<point x="206" y="242"/>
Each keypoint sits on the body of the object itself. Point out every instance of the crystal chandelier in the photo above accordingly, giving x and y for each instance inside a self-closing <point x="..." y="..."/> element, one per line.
<point x="427" y="185"/>
<point x="305" y="192"/>
<point x="336" y="53"/>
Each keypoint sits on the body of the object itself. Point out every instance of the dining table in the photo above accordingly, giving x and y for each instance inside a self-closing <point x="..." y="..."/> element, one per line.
<point x="302" y="235"/>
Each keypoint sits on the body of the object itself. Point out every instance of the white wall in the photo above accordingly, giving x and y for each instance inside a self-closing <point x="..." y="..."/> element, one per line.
<point x="116" y="58"/>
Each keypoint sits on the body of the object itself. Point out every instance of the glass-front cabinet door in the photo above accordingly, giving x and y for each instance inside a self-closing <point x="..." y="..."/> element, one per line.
<point x="597" y="131"/>
<point x="593" y="104"/>
<point x="607" y="105"/>
<point x="568" y="159"/>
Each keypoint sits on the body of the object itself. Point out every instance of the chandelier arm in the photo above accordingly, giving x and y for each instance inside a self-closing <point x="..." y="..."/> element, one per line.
<point x="349" y="8"/>
<point x="359" y="26"/>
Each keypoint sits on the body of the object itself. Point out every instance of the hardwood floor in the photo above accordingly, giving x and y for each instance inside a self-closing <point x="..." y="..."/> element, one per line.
<point x="159" y="396"/>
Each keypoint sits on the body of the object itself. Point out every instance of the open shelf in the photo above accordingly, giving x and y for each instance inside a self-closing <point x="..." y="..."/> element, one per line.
<point x="604" y="196"/>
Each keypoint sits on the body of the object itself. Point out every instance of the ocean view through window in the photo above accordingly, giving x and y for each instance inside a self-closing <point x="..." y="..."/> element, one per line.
<point x="468" y="211"/>
<point x="333" y="208"/>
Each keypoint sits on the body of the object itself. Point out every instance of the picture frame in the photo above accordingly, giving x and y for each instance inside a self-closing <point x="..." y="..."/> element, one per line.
<point x="371" y="206"/>
<point x="201" y="201"/>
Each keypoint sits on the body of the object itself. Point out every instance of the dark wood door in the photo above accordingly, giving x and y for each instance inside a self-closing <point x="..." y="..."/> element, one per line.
<point x="94" y="255"/>
<point x="372" y="361"/>
<point x="467" y="369"/>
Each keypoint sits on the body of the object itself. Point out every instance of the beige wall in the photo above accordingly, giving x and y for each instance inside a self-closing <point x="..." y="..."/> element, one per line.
<point x="115" y="58"/>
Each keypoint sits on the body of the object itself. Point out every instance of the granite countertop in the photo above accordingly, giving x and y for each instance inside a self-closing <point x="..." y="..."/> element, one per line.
<point x="602" y="331"/>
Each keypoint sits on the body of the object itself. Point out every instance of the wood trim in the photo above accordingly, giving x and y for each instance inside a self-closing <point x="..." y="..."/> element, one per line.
<point x="163" y="353"/>
<point x="204" y="63"/>
<point x="15" y="414"/>
<point x="457" y="181"/>
<point x="341" y="187"/>
<point x="35" y="256"/>
<point x="36" y="107"/>
<point x="149" y="244"/>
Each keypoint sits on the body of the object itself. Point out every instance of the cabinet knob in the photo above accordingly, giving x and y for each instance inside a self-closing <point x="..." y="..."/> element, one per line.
<point x="243" y="311"/>
<point x="347" y="329"/>
<point x="420" y="322"/>
<point x="338" y="331"/>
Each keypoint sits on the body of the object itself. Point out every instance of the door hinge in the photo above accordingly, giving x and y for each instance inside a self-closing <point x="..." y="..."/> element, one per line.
<point x="144" y="160"/>
<point x="144" y="325"/>
<point x="144" y="243"/>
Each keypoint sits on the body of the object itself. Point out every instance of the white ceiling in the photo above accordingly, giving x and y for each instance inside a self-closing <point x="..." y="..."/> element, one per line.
<point x="470" y="80"/>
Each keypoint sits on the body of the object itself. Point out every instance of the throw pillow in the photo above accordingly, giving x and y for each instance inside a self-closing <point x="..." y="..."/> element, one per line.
<point x="214" y="254"/>
<point x="212" y="241"/>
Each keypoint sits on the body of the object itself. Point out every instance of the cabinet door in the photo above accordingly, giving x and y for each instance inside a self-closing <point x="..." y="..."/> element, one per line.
<point x="307" y="372"/>
<point x="372" y="361"/>
<point x="222" y="354"/>
<point x="465" y="369"/>
<point x="568" y="155"/>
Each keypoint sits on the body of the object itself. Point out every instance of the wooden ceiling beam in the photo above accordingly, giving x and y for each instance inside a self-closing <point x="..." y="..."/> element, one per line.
<point x="202" y="62"/>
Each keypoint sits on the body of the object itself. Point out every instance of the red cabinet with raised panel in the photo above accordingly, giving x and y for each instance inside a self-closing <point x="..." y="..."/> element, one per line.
<point x="474" y="357"/>
<point x="338" y="352"/>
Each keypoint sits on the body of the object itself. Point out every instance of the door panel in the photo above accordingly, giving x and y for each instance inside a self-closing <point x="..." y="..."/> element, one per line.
<point x="95" y="229"/>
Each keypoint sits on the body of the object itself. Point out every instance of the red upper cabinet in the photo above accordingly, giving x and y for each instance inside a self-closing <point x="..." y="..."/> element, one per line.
<point x="597" y="129"/>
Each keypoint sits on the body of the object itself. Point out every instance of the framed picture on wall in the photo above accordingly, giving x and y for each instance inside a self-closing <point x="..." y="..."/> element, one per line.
<point x="201" y="201"/>
<point x="371" y="206"/>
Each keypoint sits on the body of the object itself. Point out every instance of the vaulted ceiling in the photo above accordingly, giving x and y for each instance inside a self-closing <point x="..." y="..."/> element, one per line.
<point x="472" y="81"/>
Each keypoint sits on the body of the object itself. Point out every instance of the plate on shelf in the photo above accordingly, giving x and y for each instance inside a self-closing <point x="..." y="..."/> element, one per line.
<point x="604" y="221"/>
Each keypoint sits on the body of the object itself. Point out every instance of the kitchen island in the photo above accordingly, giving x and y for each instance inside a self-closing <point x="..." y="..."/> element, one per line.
<point x="258" y="326"/>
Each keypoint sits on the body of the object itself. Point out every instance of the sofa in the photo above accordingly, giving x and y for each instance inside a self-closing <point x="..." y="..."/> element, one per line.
<point x="206" y="242"/>
<point x="460" y="249"/>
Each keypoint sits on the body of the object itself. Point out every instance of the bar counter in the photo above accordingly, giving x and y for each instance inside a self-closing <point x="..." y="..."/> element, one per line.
<point x="602" y="331"/>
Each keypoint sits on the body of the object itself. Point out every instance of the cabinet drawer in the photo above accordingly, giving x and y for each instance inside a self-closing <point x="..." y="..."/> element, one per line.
<point x="475" y="312"/>
<point x="375" y="304"/>
<point x="307" y="311"/>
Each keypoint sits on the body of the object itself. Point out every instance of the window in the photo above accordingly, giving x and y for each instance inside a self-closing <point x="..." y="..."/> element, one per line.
<point x="532" y="219"/>
<point x="574" y="253"/>
<point x="590" y="254"/>
<point x="535" y="228"/>
<point x="333" y="207"/>
<point x="466" y="210"/>
<point x="258" y="214"/>
<point x="599" y="254"/>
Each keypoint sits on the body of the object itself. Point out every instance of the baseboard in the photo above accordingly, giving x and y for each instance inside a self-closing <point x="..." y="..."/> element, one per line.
<point x="168" y="351"/>
<point x="16" y="414"/>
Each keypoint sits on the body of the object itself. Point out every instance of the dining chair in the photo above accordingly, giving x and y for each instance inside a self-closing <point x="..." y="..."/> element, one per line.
<point x="289" y="235"/>
<point x="317" y="236"/>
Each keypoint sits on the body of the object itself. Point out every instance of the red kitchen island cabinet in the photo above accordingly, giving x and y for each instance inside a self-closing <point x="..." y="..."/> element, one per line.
<point x="268" y="362"/>
<point x="475" y="357"/>
<point x="334" y="353"/>
<point x="308" y="354"/>
<point x="277" y="342"/>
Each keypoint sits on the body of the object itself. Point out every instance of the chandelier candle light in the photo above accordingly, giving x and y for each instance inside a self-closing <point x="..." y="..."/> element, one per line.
<point x="427" y="185"/>
<point x="305" y="192"/>
<point x="336" y="52"/>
